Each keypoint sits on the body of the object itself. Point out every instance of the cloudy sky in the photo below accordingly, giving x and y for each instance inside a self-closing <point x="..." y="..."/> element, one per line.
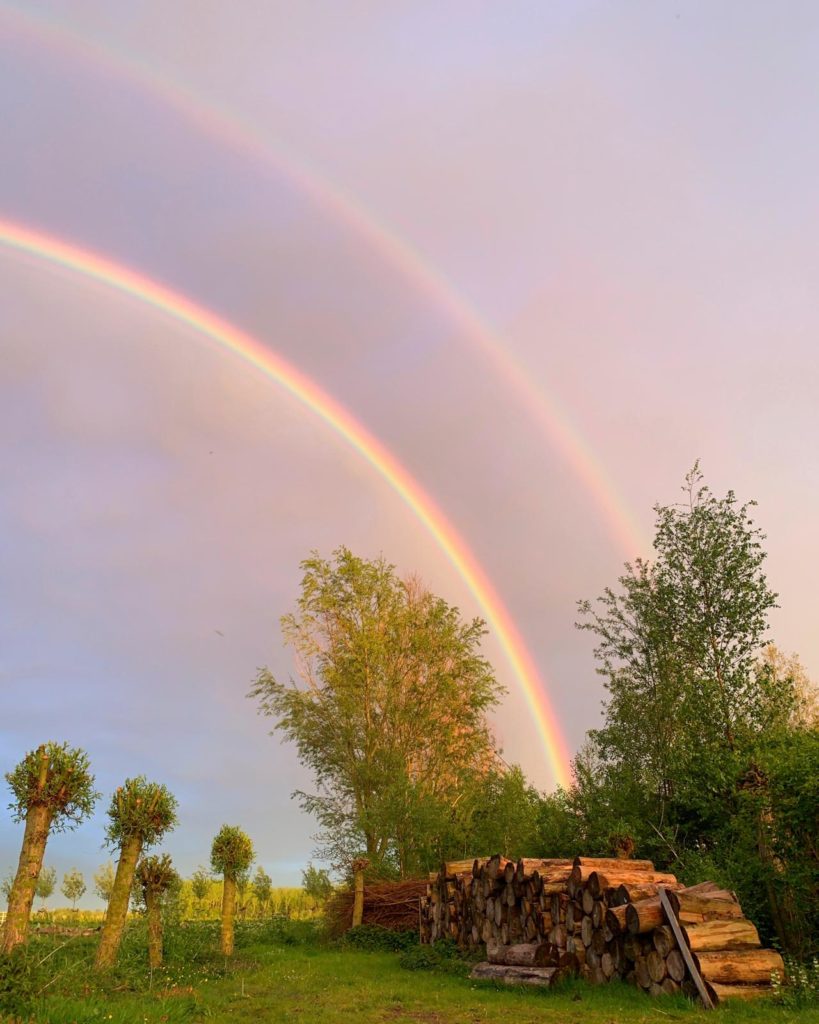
<point x="548" y="254"/>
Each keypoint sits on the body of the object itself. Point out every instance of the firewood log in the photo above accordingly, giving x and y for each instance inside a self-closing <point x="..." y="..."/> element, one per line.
<point x="722" y="935"/>
<point x="740" y="966"/>
<point x="514" y="975"/>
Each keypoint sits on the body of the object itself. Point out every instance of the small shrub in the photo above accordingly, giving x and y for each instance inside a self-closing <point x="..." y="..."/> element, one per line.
<point x="444" y="957"/>
<point x="374" y="938"/>
<point x="802" y="988"/>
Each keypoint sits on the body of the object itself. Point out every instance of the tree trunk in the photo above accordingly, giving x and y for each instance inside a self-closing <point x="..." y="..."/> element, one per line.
<point x="118" y="903"/>
<point x="358" y="899"/>
<point x="21" y="898"/>
<point x="154" y="916"/>
<point x="228" y="915"/>
<point x="720" y="935"/>
<point x="741" y="967"/>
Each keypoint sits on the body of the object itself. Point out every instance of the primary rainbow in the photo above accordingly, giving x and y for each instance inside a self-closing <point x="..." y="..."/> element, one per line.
<point x="57" y="252"/>
<point x="545" y="410"/>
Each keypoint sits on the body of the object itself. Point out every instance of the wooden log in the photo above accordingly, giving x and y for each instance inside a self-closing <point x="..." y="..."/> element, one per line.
<point x="675" y="965"/>
<point x="581" y="874"/>
<point x="669" y="986"/>
<point x="598" y="942"/>
<point x="663" y="939"/>
<point x="719" y="993"/>
<point x="587" y="900"/>
<point x="644" y="916"/>
<point x="721" y="935"/>
<point x="711" y="907"/>
<point x="607" y="964"/>
<point x="616" y="919"/>
<point x="656" y="966"/>
<point x="597" y="976"/>
<point x="541" y="954"/>
<point x="655" y="990"/>
<point x="612" y="863"/>
<point x="514" y="975"/>
<point x="740" y="966"/>
<point x="598" y="914"/>
<point x="641" y="972"/>
<point x="586" y="931"/>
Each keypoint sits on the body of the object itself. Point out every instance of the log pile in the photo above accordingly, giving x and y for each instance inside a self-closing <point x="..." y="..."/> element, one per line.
<point x="603" y="917"/>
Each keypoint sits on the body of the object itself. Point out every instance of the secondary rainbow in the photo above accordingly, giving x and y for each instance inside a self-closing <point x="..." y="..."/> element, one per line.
<point x="57" y="252"/>
<point x="229" y="130"/>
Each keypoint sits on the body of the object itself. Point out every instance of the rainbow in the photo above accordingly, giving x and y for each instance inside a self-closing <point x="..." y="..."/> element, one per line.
<point x="57" y="252"/>
<point x="553" y="422"/>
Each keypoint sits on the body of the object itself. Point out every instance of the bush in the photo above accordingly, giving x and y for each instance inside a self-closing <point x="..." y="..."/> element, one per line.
<point x="444" y="957"/>
<point x="802" y="988"/>
<point x="19" y="974"/>
<point x="374" y="938"/>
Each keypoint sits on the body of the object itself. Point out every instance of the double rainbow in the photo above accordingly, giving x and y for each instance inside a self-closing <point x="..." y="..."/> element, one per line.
<point x="92" y="266"/>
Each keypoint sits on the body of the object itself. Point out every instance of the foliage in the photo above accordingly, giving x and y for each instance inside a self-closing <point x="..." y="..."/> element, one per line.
<point x="140" y="809"/>
<point x="706" y="760"/>
<point x="383" y="663"/>
<point x="200" y="883"/>
<point x="316" y="883"/>
<point x="156" y="878"/>
<point x="104" y="881"/>
<point x="262" y="887"/>
<point x="802" y="988"/>
<point x="232" y="852"/>
<point x="6" y="885"/>
<point x="58" y="777"/>
<point x="73" y="887"/>
<point x="444" y="957"/>
<point x="46" y="884"/>
<point x="373" y="937"/>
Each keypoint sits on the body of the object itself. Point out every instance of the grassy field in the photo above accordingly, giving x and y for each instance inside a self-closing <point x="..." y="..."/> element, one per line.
<point x="286" y="973"/>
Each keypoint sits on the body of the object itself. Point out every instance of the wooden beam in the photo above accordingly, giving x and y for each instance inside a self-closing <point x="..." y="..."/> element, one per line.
<point x="671" y="917"/>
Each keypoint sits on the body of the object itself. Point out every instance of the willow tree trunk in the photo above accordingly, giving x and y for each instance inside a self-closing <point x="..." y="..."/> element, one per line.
<point x="21" y="897"/>
<point x="358" y="899"/>
<point x="118" y="903"/>
<point x="154" y="916"/>
<point x="228" y="914"/>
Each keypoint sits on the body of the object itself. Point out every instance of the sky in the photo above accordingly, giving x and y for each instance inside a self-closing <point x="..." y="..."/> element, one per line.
<point x="547" y="254"/>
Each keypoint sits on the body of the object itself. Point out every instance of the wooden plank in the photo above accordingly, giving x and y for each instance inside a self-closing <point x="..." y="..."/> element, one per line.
<point x="671" y="917"/>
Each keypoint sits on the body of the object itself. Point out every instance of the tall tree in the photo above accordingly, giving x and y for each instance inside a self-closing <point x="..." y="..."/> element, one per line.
<point x="155" y="877"/>
<point x="678" y="646"/>
<point x="53" y="790"/>
<point x="390" y="712"/>
<point x="231" y="856"/>
<point x="140" y="814"/>
<point x="73" y="887"/>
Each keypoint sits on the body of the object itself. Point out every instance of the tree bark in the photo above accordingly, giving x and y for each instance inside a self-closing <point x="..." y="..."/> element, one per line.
<point x="118" y="903"/>
<point x="154" y="916"/>
<point x="358" y="900"/>
<point x="228" y="915"/>
<point x="21" y="898"/>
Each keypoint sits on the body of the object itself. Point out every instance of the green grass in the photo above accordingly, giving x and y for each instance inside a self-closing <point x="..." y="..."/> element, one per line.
<point x="286" y="972"/>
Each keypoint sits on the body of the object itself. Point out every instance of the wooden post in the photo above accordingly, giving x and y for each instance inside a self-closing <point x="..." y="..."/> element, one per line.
<point x="696" y="977"/>
<point x="360" y="865"/>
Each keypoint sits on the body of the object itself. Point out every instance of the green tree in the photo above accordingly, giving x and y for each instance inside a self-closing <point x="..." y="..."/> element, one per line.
<point x="155" y="878"/>
<point x="231" y="856"/>
<point x="316" y="884"/>
<point x="6" y="886"/>
<point x="390" y="715"/>
<point x="73" y="887"/>
<point x="200" y="886"/>
<point x="46" y="884"/>
<point x="53" y="790"/>
<point x="679" y="646"/>
<point x="140" y="814"/>
<point x="262" y="889"/>
<point x="104" y="882"/>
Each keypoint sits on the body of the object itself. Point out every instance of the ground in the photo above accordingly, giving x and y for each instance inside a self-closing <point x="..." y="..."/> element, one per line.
<point x="282" y="975"/>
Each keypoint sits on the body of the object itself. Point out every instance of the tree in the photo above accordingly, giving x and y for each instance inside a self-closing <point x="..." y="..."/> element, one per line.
<point x="140" y="814"/>
<point x="53" y="790"/>
<point x="200" y="885"/>
<point x="155" y="878"/>
<point x="73" y="887"/>
<point x="230" y="856"/>
<point x="46" y="884"/>
<point x="104" y="882"/>
<point x="390" y="715"/>
<point x="316" y="883"/>
<point x="262" y="888"/>
<point x="678" y="647"/>
<point x="242" y="885"/>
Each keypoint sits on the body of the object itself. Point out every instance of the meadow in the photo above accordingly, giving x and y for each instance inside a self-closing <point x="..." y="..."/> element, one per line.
<point x="290" y="971"/>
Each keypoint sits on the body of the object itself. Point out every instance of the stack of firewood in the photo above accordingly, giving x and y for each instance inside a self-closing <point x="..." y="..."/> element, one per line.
<point x="392" y="905"/>
<point x="496" y="900"/>
<point x="603" y="917"/>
